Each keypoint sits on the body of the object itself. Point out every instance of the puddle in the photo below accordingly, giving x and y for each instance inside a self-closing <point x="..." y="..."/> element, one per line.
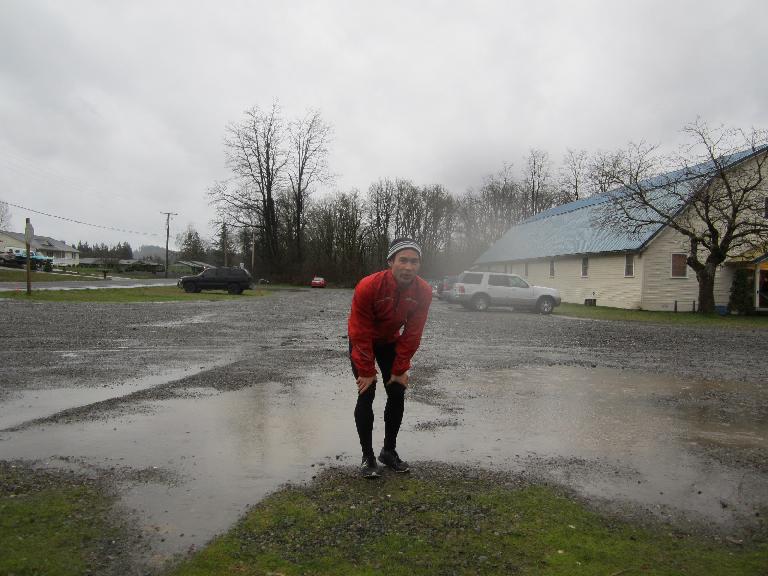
<point x="20" y="406"/>
<point x="601" y="432"/>
<point x="604" y="433"/>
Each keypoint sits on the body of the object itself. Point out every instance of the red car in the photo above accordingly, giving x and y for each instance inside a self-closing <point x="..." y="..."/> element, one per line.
<point x="318" y="282"/>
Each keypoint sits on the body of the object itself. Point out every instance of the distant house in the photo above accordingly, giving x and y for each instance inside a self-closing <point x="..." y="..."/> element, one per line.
<point x="62" y="253"/>
<point x="565" y="248"/>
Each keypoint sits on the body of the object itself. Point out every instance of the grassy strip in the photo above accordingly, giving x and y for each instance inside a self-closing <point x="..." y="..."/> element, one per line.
<point x="142" y="294"/>
<point x="54" y="523"/>
<point x="452" y="522"/>
<point x="7" y="275"/>
<point x="685" y="318"/>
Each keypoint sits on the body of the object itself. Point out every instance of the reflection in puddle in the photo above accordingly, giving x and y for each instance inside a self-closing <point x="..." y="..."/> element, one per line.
<point x="602" y="432"/>
<point x="20" y="406"/>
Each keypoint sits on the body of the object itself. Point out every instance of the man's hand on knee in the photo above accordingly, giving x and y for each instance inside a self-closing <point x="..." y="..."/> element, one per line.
<point x="364" y="382"/>
<point x="401" y="379"/>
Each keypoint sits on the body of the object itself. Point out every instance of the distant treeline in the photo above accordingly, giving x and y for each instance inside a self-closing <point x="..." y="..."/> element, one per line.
<point x="267" y="218"/>
<point x="120" y="251"/>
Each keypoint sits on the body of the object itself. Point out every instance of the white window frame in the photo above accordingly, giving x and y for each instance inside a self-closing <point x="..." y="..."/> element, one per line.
<point x="671" y="265"/>
<point x="626" y="258"/>
<point x="585" y="267"/>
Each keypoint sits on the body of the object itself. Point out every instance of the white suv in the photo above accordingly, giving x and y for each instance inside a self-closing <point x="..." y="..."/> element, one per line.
<point x="479" y="290"/>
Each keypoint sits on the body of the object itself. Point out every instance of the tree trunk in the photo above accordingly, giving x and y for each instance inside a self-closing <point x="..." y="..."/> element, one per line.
<point x="706" y="278"/>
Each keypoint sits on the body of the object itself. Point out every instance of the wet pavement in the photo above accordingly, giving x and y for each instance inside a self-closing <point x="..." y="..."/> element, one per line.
<point x="90" y="284"/>
<point x="201" y="409"/>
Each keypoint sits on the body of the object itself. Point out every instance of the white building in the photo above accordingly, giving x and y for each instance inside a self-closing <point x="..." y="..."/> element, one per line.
<point x="62" y="253"/>
<point x="567" y="248"/>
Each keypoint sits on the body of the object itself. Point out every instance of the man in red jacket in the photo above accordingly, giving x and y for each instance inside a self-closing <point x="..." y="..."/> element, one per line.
<point x="389" y="309"/>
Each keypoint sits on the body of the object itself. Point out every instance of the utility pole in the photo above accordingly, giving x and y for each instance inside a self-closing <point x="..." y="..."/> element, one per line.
<point x="29" y="233"/>
<point x="167" y="235"/>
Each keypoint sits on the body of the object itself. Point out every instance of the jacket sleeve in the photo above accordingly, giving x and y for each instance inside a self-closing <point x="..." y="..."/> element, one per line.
<point x="410" y="339"/>
<point x="361" y="329"/>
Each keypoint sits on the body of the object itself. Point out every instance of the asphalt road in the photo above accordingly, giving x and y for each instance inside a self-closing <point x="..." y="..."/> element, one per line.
<point x="199" y="409"/>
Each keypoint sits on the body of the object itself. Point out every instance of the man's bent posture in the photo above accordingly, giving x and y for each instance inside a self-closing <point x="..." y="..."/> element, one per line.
<point x="389" y="309"/>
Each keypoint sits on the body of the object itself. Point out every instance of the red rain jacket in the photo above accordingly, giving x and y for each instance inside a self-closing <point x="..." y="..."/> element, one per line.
<point x="379" y="310"/>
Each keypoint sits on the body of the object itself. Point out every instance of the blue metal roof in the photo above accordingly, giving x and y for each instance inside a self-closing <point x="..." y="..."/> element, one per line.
<point x="575" y="228"/>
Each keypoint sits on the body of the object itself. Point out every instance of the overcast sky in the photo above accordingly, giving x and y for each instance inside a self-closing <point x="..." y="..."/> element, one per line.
<point x="112" y="112"/>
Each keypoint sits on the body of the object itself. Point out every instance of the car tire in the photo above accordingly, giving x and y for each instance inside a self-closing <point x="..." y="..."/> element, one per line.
<point x="545" y="305"/>
<point x="234" y="289"/>
<point x="480" y="303"/>
<point x="189" y="287"/>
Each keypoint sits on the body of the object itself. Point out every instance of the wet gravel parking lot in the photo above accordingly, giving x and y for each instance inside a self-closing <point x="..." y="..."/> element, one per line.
<point x="196" y="410"/>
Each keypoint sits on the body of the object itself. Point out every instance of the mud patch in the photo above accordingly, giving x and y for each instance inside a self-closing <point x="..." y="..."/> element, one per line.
<point x="435" y="424"/>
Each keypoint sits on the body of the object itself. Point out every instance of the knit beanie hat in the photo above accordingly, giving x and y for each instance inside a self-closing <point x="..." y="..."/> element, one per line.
<point x="401" y="244"/>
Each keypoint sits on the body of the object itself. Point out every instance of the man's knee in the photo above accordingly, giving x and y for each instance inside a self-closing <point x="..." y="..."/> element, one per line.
<point x="395" y="390"/>
<point x="366" y="398"/>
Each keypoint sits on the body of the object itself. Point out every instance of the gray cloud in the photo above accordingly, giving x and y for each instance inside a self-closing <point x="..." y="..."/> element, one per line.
<point x="113" y="111"/>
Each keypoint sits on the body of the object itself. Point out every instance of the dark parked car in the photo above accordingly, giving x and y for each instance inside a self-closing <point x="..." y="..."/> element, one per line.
<point x="233" y="280"/>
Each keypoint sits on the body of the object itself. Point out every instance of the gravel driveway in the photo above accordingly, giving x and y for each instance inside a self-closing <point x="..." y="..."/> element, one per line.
<point x="199" y="409"/>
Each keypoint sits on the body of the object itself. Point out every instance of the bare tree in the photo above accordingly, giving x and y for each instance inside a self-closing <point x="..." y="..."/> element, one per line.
<point x="5" y="216"/>
<point x="380" y="213"/>
<point x="598" y="179"/>
<point x="536" y="186"/>
<point x="574" y="176"/>
<point x="337" y="235"/>
<point x="307" y="166"/>
<point x="501" y="205"/>
<point x="409" y="211"/>
<point x="715" y="198"/>
<point x="255" y="155"/>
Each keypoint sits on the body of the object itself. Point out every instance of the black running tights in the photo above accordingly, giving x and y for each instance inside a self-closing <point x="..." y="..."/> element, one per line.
<point x="393" y="411"/>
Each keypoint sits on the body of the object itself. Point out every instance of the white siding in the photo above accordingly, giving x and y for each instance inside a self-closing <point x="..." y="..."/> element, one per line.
<point x="661" y="290"/>
<point x="605" y="282"/>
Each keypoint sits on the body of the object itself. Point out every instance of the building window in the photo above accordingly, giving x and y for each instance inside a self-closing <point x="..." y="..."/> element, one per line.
<point x="679" y="266"/>
<point x="584" y="267"/>
<point x="629" y="265"/>
<point x="552" y="268"/>
<point x="526" y="270"/>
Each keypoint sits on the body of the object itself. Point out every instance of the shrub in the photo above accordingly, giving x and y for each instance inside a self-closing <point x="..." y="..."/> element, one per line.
<point x="742" y="300"/>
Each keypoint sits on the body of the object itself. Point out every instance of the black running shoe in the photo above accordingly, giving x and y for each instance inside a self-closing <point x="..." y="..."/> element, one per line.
<point x="369" y="468"/>
<point x="390" y="459"/>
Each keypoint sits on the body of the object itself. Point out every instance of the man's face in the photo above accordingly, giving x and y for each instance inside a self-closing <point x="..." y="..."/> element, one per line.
<point x="405" y="265"/>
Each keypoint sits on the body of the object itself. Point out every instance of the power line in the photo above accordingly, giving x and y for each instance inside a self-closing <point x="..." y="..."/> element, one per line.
<point x="79" y="221"/>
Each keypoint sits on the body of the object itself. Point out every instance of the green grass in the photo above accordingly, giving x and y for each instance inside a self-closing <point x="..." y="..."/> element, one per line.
<point x="13" y="275"/>
<point x="453" y="524"/>
<point x="687" y="318"/>
<point x="52" y="524"/>
<point x="143" y="294"/>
